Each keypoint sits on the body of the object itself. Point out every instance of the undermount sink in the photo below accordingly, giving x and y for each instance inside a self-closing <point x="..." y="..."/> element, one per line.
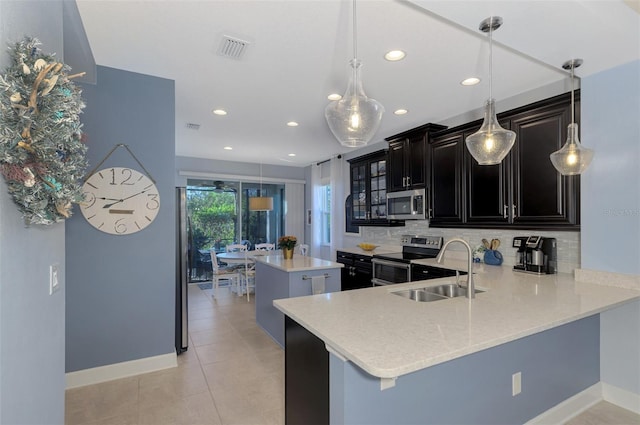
<point x="434" y="293"/>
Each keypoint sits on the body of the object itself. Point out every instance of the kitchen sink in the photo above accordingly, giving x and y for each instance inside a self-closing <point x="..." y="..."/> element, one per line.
<point x="434" y="293"/>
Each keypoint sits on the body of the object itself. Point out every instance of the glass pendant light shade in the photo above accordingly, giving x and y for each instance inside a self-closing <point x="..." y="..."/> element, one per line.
<point x="491" y="143"/>
<point x="355" y="118"/>
<point x="573" y="158"/>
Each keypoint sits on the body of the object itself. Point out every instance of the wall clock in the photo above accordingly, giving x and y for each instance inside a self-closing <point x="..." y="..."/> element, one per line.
<point x="120" y="201"/>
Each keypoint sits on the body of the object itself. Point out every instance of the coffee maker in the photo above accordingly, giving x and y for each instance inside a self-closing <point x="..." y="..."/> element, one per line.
<point x="536" y="254"/>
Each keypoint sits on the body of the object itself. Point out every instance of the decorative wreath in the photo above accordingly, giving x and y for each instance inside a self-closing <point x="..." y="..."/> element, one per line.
<point x="42" y="156"/>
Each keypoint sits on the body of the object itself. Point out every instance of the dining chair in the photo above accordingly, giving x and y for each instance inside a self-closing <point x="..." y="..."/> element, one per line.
<point x="247" y="276"/>
<point x="223" y="273"/>
<point x="304" y="249"/>
<point x="265" y="246"/>
<point x="236" y="247"/>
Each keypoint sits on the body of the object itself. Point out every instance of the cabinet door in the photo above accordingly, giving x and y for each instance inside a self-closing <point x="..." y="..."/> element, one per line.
<point x="415" y="162"/>
<point x="397" y="174"/>
<point x="488" y="186"/>
<point x="359" y="192"/>
<point x="445" y="161"/>
<point x="378" y="189"/>
<point x="542" y="196"/>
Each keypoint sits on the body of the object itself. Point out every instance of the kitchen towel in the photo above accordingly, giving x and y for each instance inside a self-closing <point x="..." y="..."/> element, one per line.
<point x="317" y="284"/>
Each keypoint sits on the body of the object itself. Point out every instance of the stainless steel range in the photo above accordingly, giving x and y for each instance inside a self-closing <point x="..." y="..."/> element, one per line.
<point x="389" y="269"/>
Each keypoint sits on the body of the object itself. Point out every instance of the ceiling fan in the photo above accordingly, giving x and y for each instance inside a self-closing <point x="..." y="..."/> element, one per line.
<point x="219" y="187"/>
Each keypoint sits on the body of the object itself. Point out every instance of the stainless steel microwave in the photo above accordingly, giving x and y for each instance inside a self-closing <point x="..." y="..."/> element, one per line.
<point x="407" y="205"/>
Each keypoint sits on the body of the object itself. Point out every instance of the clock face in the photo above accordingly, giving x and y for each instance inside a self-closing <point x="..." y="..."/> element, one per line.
<point x="120" y="201"/>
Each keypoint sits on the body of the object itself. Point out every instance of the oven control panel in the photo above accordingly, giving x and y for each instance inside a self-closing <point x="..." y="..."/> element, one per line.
<point x="433" y="242"/>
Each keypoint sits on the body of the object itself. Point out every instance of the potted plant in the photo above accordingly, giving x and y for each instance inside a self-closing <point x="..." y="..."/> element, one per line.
<point x="286" y="244"/>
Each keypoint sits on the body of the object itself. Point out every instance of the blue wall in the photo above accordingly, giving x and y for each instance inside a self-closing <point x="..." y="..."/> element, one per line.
<point x="31" y="321"/>
<point x="611" y="185"/>
<point x="120" y="289"/>
<point x="475" y="389"/>
<point x="611" y="209"/>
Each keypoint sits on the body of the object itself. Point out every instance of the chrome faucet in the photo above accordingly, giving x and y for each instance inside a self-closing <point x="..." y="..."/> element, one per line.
<point x="471" y="289"/>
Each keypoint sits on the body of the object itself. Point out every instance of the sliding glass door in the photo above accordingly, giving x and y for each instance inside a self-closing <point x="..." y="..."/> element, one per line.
<point x="219" y="215"/>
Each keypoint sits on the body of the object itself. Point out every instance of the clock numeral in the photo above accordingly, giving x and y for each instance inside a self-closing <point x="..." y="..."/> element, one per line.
<point x="89" y="199"/>
<point x="126" y="173"/>
<point x="152" y="201"/>
<point x="119" y="226"/>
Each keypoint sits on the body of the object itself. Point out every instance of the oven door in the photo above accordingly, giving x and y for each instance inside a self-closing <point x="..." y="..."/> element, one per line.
<point x="387" y="272"/>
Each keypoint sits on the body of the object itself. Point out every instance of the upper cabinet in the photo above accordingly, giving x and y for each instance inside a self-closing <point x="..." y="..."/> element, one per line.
<point x="408" y="158"/>
<point x="369" y="191"/>
<point x="523" y="191"/>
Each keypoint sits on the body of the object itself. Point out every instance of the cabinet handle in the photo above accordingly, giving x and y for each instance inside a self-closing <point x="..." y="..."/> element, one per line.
<point x="404" y="182"/>
<point x="408" y="181"/>
<point x="505" y="213"/>
<point x="513" y="210"/>
<point x="430" y="213"/>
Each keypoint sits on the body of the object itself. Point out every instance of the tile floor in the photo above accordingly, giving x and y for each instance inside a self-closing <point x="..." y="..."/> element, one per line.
<point x="233" y="373"/>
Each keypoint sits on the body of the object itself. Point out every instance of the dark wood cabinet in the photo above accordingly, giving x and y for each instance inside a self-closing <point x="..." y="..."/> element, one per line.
<point x="487" y="197"/>
<point x="446" y="183"/>
<point x="541" y="195"/>
<point x="407" y="156"/>
<point x="357" y="271"/>
<point x="523" y="191"/>
<point x="369" y="190"/>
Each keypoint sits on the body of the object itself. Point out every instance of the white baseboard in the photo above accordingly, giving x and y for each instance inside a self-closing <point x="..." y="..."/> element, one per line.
<point x="570" y="408"/>
<point x="622" y="398"/>
<point x="110" y="372"/>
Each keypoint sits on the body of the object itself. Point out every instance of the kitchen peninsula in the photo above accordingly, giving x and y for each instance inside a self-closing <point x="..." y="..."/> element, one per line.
<point x="388" y="359"/>
<point x="278" y="278"/>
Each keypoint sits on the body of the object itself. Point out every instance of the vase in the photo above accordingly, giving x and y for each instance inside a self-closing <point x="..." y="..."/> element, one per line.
<point x="287" y="253"/>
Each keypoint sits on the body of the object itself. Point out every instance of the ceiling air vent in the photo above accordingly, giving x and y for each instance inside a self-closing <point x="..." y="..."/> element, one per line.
<point x="232" y="47"/>
<point x="192" y="126"/>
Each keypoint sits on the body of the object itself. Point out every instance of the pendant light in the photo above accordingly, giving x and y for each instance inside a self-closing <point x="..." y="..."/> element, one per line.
<point x="260" y="203"/>
<point x="491" y="143"/>
<point x="573" y="158"/>
<point x="355" y="118"/>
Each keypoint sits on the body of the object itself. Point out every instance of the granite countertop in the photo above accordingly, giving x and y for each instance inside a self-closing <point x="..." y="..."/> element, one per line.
<point x="389" y="336"/>
<point x="298" y="263"/>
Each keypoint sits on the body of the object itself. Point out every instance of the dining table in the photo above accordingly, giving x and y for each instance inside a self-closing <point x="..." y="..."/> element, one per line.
<point x="237" y="257"/>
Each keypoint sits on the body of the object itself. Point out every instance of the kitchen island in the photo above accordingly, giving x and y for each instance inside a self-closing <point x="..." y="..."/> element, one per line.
<point x="279" y="278"/>
<point x="393" y="360"/>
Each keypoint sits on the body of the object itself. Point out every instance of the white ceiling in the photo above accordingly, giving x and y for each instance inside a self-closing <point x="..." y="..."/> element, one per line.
<point x="299" y="51"/>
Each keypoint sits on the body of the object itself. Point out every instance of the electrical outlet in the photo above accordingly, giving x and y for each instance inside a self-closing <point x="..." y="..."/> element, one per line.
<point x="516" y="384"/>
<point x="54" y="278"/>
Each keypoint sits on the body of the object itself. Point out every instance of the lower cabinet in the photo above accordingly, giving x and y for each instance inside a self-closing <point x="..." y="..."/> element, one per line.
<point x="357" y="271"/>
<point x="306" y="376"/>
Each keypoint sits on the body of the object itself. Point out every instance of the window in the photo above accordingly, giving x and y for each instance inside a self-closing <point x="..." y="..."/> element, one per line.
<point x="325" y="214"/>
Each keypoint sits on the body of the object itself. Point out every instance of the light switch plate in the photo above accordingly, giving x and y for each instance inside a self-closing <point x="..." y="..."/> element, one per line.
<point x="516" y="384"/>
<point x="54" y="278"/>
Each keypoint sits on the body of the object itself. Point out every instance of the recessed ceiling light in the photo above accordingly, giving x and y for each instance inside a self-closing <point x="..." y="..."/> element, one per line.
<point x="334" y="96"/>
<point x="292" y="124"/>
<point x="400" y="111"/>
<point x="395" y="55"/>
<point x="220" y="112"/>
<point x="472" y="81"/>
<point x="228" y="148"/>
<point x="292" y="154"/>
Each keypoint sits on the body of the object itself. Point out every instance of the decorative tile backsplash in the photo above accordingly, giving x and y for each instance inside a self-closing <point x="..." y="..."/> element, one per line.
<point x="568" y="242"/>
